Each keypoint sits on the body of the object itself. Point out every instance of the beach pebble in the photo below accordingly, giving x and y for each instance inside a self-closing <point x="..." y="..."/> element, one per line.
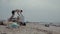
<point x="3" y="33"/>
<point x="46" y="25"/>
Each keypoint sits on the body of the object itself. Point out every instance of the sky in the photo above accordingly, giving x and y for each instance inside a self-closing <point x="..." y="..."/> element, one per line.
<point x="33" y="10"/>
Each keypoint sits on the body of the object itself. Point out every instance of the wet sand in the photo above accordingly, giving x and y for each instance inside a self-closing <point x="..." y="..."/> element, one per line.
<point x="31" y="28"/>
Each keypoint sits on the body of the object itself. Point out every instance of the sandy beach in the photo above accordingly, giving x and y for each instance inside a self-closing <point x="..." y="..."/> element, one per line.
<point x="31" y="28"/>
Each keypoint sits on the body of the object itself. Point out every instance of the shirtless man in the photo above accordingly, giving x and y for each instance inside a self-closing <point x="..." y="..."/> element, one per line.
<point x="17" y="18"/>
<point x="13" y="13"/>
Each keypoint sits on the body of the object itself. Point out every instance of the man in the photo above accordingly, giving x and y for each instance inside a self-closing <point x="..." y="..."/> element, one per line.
<point x="21" y="18"/>
<point x="13" y="13"/>
<point x="17" y="17"/>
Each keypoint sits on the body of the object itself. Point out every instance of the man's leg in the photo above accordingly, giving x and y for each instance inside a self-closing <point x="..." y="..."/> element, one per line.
<point x="23" y="24"/>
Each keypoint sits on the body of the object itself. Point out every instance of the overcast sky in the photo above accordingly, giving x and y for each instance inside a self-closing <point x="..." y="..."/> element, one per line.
<point x="33" y="10"/>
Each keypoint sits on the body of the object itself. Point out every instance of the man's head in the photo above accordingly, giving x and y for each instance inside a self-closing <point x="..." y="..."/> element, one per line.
<point x="21" y="11"/>
<point x="13" y="12"/>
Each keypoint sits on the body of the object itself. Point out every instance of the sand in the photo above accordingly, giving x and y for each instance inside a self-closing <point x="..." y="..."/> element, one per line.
<point x="31" y="28"/>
